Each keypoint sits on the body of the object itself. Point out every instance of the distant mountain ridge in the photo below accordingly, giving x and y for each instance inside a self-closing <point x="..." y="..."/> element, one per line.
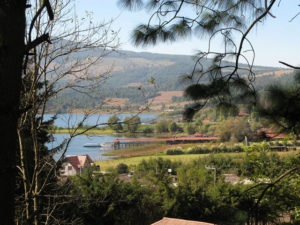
<point x="133" y="71"/>
<point x="138" y="67"/>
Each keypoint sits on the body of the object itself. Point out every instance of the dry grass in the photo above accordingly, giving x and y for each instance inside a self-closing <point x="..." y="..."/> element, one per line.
<point x="277" y="73"/>
<point x="166" y="97"/>
<point x="115" y="101"/>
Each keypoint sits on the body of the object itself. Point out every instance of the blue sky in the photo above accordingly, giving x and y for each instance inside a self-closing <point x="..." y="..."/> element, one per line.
<point x="276" y="39"/>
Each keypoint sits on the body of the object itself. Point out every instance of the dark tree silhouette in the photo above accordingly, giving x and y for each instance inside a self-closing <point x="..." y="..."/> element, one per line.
<point x="13" y="48"/>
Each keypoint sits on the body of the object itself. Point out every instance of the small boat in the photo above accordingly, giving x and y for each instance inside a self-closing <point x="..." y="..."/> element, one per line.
<point x="92" y="145"/>
<point x="107" y="144"/>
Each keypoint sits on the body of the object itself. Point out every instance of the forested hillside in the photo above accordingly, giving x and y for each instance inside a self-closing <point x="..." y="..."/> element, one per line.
<point x="140" y="76"/>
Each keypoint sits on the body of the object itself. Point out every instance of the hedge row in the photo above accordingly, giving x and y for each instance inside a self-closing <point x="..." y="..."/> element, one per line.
<point x="204" y="150"/>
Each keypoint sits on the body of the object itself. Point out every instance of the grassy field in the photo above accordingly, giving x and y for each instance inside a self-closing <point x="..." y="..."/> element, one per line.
<point x="186" y="158"/>
<point x="104" y="165"/>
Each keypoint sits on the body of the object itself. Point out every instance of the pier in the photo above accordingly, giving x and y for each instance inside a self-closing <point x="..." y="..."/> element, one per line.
<point x="119" y="143"/>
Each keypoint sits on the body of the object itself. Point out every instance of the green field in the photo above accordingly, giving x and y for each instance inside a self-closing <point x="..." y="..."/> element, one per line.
<point x="186" y="158"/>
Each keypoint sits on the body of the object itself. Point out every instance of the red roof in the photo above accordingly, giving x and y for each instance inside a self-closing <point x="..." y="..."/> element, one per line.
<point x="78" y="161"/>
<point x="276" y="135"/>
<point x="198" y="134"/>
<point x="173" y="221"/>
<point x="243" y="114"/>
<point x="266" y="130"/>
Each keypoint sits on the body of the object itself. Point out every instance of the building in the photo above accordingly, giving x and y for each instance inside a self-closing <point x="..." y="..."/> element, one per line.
<point x="75" y="165"/>
<point x="173" y="221"/>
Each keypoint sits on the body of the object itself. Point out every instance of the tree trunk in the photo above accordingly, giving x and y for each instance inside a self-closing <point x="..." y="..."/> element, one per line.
<point x="12" y="31"/>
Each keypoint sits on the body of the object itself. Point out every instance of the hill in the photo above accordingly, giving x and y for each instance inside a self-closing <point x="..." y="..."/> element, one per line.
<point x="132" y="73"/>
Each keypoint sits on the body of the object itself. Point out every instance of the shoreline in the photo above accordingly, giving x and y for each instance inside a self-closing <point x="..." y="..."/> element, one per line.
<point x="92" y="111"/>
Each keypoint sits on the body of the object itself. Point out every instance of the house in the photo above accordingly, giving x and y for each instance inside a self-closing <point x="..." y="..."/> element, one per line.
<point x="243" y="114"/>
<point x="173" y="221"/>
<point x="75" y="165"/>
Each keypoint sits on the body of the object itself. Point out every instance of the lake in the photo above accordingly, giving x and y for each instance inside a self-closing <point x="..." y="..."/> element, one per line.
<point x="71" y="120"/>
<point x="76" y="145"/>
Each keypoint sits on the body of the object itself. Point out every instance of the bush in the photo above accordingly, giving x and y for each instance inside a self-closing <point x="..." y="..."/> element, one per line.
<point x="162" y="126"/>
<point x="237" y="148"/>
<point x="148" y="130"/>
<point x="173" y="127"/>
<point x="132" y="123"/>
<point x="174" y="151"/>
<point x="199" y="150"/>
<point x="190" y="128"/>
<point x="114" y="123"/>
<point x="122" y="168"/>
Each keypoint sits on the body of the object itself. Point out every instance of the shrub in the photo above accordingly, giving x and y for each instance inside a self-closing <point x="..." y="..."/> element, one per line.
<point x="190" y="128"/>
<point x="148" y="130"/>
<point x="162" y="126"/>
<point x="237" y="148"/>
<point x="172" y="127"/>
<point x="122" y="168"/>
<point x="199" y="150"/>
<point x="174" y="151"/>
<point x="114" y="123"/>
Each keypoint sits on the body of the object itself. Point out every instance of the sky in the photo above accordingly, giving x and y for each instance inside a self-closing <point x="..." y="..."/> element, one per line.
<point x="275" y="40"/>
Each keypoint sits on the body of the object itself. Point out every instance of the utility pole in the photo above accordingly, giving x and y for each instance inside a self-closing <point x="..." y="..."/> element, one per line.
<point x="215" y="173"/>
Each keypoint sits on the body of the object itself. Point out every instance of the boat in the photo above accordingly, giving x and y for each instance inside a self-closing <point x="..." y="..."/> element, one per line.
<point x="92" y="145"/>
<point x="107" y="144"/>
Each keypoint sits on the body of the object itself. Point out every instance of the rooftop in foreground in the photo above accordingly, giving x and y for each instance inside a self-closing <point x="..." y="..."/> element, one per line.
<point x="173" y="221"/>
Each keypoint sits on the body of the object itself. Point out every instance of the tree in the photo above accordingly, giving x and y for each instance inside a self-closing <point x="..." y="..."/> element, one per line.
<point x="190" y="128"/>
<point x="162" y="126"/>
<point x="114" y="123"/>
<point x="51" y="68"/>
<point x="234" y="129"/>
<point x="173" y="127"/>
<point x="132" y="123"/>
<point x="281" y="106"/>
<point x="213" y="81"/>
<point x="12" y="49"/>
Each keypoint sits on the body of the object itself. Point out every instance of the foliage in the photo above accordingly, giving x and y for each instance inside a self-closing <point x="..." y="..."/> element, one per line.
<point x="103" y="199"/>
<point x="132" y="123"/>
<point x="190" y="128"/>
<point x="172" y="127"/>
<point x="114" y="123"/>
<point x="148" y="130"/>
<point x="122" y="168"/>
<point x="281" y="106"/>
<point x="174" y="151"/>
<point x="162" y="126"/>
<point x="233" y="129"/>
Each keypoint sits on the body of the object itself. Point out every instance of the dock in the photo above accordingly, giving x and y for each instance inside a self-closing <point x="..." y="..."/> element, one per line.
<point x="131" y="142"/>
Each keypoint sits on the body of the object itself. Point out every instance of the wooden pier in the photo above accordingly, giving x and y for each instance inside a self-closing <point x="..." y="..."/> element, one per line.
<point x="131" y="142"/>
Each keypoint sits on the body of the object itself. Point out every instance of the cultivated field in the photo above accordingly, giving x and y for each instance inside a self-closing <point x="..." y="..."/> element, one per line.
<point x="166" y="97"/>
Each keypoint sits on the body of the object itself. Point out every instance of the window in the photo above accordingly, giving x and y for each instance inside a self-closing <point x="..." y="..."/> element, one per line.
<point x="69" y="167"/>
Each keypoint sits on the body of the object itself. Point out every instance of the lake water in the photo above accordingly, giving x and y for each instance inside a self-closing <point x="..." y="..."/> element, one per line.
<point x="71" y="120"/>
<point x="76" y="145"/>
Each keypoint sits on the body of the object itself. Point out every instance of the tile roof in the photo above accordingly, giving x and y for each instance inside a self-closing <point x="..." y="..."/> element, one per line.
<point x="173" y="221"/>
<point x="79" y="161"/>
